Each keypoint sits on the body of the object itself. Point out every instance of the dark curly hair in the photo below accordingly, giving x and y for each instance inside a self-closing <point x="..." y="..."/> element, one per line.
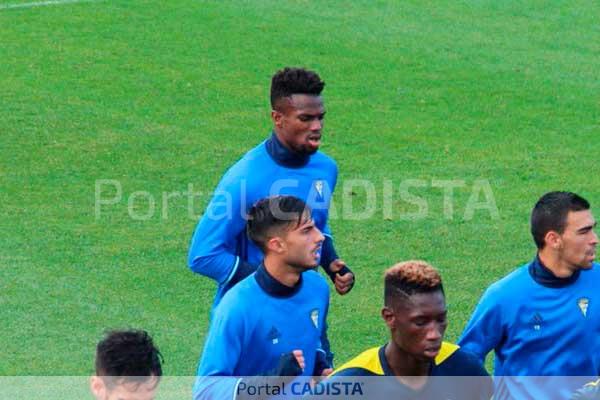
<point x="128" y="355"/>
<point x="291" y="80"/>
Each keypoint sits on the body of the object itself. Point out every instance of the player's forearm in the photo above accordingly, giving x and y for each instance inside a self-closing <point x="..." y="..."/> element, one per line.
<point x="323" y="361"/>
<point x="325" y="347"/>
<point x="328" y="255"/>
<point x="240" y="272"/>
<point x="213" y="246"/>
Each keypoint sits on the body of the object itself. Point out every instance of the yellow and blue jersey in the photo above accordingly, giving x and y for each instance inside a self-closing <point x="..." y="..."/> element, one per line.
<point x="454" y="374"/>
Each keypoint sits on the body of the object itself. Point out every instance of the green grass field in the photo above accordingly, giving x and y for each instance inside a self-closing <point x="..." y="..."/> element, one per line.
<point x="160" y="95"/>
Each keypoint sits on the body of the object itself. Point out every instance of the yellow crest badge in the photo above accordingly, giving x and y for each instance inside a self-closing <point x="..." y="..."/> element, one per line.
<point x="583" y="304"/>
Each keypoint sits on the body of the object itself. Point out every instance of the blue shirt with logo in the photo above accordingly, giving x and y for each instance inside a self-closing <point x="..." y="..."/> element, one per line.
<point x="256" y="322"/>
<point x="538" y="325"/>
<point x="220" y="248"/>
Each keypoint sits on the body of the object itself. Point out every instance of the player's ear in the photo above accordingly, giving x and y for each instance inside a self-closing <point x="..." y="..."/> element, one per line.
<point x="276" y="116"/>
<point x="97" y="387"/>
<point x="553" y="239"/>
<point x="388" y="316"/>
<point x="275" y="245"/>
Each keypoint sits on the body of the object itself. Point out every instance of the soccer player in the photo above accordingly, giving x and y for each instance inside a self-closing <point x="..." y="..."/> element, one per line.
<point x="416" y="358"/>
<point x="287" y="163"/>
<point x="270" y="324"/>
<point x="543" y="318"/>
<point x="128" y="367"/>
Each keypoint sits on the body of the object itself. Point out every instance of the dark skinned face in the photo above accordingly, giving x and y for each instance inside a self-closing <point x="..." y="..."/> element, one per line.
<point x="418" y="324"/>
<point x="298" y="122"/>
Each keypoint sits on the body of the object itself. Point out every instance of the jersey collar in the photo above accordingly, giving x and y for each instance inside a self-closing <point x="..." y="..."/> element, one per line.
<point x="401" y="388"/>
<point x="542" y="275"/>
<point x="385" y="366"/>
<point x="272" y="286"/>
<point x="445" y="352"/>
<point x="283" y="156"/>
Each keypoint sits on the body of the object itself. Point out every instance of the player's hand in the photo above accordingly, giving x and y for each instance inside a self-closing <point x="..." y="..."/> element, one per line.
<point x="299" y="358"/>
<point x="343" y="283"/>
<point x="318" y="379"/>
<point x="290" y="364"/>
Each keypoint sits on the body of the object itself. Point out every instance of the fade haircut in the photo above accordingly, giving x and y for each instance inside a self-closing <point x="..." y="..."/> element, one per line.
<point x="410" y="277"/>
<point x="290" y="81"/>
<point x="127" y="356"/>
<point x="550" y="214"/>
<point x="275" y="213"/>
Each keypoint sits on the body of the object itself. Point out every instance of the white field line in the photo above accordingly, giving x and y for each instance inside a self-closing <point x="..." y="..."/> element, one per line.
<point x="41" y="4"/>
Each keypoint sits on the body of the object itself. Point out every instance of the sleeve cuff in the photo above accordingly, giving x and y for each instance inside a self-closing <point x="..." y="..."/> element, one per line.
<point x="328" y="255"/>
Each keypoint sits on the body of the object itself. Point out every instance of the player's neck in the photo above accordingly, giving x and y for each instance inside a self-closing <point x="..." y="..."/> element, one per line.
<point x="554" y="263"/>
<point x="285" y="145"/>
<point x="409" y="370"/>
<point x="282" y="272"/>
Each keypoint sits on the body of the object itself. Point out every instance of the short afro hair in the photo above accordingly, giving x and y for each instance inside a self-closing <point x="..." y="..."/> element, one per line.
<point x="291" y="80"/>
<point x="410" y="277"/>
<point x="550" y="214"/>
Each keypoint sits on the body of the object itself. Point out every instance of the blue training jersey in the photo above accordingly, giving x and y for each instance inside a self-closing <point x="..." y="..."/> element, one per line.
<point x="538" y="327"/>
<point x="256" y="322"/>
<point x="220" y="244"/>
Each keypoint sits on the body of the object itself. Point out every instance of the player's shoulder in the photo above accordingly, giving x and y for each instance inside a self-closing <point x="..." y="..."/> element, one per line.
<point x="511" y="283"/>
<point x="324" y="159"/>
<point x="240" y="297"/>
<point x="455" y="361"/>
<point x="254" y="159"/>
<point x="257" y="153"/>
<point x="366" y="363"/>
<point x="588" y="281"/>
<point x="593" y="271"/>
<point x="315" y="280"/>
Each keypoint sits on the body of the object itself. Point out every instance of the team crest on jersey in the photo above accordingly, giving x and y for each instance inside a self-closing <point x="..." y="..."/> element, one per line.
<point x="583" y="304"/>
<point x="314" y="316"/>
<point x="319" y="188"/>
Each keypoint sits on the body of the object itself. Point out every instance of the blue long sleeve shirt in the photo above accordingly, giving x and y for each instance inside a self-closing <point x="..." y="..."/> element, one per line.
<point x="538" y="325"/>
<point x="220" y="246"/>
<point x="246" y="340"/>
